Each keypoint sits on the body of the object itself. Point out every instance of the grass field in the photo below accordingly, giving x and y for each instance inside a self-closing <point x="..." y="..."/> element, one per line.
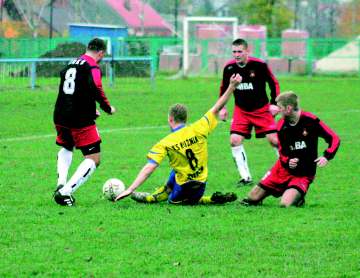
<point x="98" y="238"/>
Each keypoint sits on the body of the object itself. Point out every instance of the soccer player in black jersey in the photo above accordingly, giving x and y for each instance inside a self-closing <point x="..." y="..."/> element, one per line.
<point x="252" y="109"/>
<point x="298" y="133"/>
<point x="74" y="117"/>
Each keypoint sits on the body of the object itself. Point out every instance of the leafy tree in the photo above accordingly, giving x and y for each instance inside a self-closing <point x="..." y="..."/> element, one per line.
<point x="273" y="13"/>
<point x="349" y="21"/>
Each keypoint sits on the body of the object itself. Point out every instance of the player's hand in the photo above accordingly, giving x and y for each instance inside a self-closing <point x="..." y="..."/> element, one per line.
<point x="235" y="80"/>
<point x="293" y="162"/>
<point x="223" y="114"/>
<point x="97" y="114"/>
<point x="274" y="109"/>
<point x="321" y="161"/>
<point x="113" y="110"/>
<point x="123" y="195"/>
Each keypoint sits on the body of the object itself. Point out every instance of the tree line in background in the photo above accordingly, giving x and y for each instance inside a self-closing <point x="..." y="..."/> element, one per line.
<point x="321" y="18"/>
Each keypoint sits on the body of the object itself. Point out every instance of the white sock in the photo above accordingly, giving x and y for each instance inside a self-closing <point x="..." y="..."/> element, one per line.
<point x="83" y="172"/>
<point x="240" y="158"/>
<point x="64" y="159"/>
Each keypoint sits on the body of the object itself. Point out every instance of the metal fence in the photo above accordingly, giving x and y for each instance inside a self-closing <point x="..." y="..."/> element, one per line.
<point x="31" y="68"/>
<point x="294" y="56"/>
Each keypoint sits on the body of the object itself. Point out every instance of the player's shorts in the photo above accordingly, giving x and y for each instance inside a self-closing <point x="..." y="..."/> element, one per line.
<point x="261" y="119"/>
<point x="278" y="179"/>
<point x="188" y="193"/>
<point x="81" y="138"/>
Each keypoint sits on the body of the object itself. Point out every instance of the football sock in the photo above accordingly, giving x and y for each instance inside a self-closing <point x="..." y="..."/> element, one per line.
<point x="240" y="158"/>
<point x="64" y="159"/>
<point x="159" y="195"/>
<point x="81" y="175"/>
<point x="205" y="200"/>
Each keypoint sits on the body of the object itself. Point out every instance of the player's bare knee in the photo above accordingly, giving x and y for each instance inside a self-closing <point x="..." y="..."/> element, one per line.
<point x="256" y="194"/>
<point x="285" y="204"/>
<point x="236" y="141"/>
<point x="95" y="158"/>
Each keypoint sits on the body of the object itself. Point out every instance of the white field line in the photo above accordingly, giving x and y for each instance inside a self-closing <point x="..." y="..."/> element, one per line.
<point x="110" y="130"/>
<point x="144" y="128"/>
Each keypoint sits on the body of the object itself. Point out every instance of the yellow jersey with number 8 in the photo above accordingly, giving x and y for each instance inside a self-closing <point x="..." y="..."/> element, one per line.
<point x="187" y="150"/>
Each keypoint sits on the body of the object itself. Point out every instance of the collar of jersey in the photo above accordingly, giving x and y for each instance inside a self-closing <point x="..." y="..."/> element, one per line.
<point x="177" y="128"/>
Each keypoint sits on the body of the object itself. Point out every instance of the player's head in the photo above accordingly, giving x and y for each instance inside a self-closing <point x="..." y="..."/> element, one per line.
<point x="178" y="114"/>
<point x="240" y="51"/>
<point x="288" y="102"/>
<point x="96" y="47"/>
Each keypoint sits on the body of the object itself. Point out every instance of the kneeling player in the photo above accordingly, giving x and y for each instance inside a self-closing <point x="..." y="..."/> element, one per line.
<point x="187" y="150"/>
<point x="292" y="174"/>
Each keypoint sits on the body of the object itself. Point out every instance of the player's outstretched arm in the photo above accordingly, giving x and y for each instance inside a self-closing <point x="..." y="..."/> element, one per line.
<point x="235" y="80"/>
<point x="143" y="175"/>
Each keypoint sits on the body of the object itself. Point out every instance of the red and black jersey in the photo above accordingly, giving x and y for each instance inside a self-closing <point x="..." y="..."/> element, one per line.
<point x="250" y="94"/>
<point x="79" y="90"/>
<point x="301" y="141"/>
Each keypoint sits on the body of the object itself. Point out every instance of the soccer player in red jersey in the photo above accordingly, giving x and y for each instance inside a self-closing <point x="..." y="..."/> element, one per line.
<point x="298" y="133"/>
<point x="252" y="107"/>
<point x="74" y="117"/>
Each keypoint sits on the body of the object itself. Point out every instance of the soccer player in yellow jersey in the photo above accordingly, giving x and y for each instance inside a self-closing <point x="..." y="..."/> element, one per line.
<point x="187" y="150"/>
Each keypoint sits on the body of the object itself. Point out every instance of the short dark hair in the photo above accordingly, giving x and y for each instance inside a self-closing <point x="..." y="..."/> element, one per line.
<point x="97" y="45"/>
<point x="238" y="42"/>
<point x="178" y="112"/>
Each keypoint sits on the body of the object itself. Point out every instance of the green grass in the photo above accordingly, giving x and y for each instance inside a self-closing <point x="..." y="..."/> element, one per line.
<point x="98" y="238"/>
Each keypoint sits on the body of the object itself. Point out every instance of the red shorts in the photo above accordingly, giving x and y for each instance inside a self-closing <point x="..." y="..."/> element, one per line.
<point x="261" y="119"/>
<point x="78" y="137"/>
<point x="278" y="179"/>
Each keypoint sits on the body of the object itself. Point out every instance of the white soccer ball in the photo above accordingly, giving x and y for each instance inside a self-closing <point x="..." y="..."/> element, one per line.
<point x="113" y="188"/>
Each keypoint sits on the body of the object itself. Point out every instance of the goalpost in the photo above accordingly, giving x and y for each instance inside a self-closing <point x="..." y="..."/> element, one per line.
<point x="189" y="20"/>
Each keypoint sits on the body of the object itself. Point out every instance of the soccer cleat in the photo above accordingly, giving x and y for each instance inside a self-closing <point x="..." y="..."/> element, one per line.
<point x="59" y="186"/>
<point x="221" y="198"/>
<point x="64" y="200"/>
<point x="140" y="196"/>
<point x="244" y="182"/>
<point x="301" y="202"/>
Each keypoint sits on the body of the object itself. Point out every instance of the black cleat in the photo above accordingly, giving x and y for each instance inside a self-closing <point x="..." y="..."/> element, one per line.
<point x="58" y="188"/>
<point x="63" y="200"/>
<point x="244" y="182"/>
<point x="301" y="202"/>
<point x="221" y="198"/>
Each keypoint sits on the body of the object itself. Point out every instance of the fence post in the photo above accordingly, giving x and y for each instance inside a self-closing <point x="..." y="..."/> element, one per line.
<point x="33" y="75"/>
<point x="309" y="56"/>
<point x="358" y="43"/>
<point x="152" y="72"/>
<point x="204" y="55"/>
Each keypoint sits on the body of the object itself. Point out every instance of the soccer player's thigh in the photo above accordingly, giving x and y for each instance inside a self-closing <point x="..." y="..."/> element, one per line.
<point x="240" y="125"/>
<point x="64" y="137"/>
<point x="276" y="180"/>
<point x="296" y="189"/>
<point x="86" y="136"/>
<point x="291" y="196"/>
<point x="264" y="124"/>
<point x="186" y="194"/>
